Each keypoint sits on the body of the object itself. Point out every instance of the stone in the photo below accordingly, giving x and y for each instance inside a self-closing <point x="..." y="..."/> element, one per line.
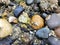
<point x="37" y="22"/>
<point x="53" y="40"/>
<point x="43" y="33"/>
<point x="53" y="21"/>
<point x="13" y="19"/>
<point x="24" y="18"/>
<point x="18" y="10"/>
<point x="29" y="1"/>
<point x="5" y="28"/>
<point x="57" y="32"/>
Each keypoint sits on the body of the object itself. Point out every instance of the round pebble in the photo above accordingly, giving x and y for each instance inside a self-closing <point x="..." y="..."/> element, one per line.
<point x="37" y="22"/>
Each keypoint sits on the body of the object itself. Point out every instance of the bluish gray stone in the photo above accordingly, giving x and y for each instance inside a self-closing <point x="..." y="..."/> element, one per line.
<point x="53" y="40"/>
<point x="43" y="33"/>
<point x="54" y="21"/>
<point x="29" y="1"/>
<point x="18" y="11"/>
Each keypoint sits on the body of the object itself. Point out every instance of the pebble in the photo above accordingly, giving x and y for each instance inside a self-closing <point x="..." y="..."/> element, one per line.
<point x="53" y="40"/>
<point x="29" y="2"/>
<point x="37" y="22"/>
<point x="18" y="11"/>
<point x="13" y="19"/>
<point x="29" y="22"/>
<point x="53" y="21"/>
<point x="43" y="33"/>
<point x="35" y="8"/>
<point x="44" y="15"/>
<point x="57" y="32"/>
<point x="5" y="28"/>
<point x="24" y="18"/>
<point x="44" y="5"/>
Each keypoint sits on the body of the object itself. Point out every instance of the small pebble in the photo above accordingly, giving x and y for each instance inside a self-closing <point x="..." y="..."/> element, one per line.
<point x="53" y="40"/>
<point x="13" y="19"/>
<point x="18" y="11"/>
<point x="43" y="33"/>
<point x="29" y="2"/>
<point x="37" y="22"/>
<point x="57" y="32"/>
<point x="24" y="18"/>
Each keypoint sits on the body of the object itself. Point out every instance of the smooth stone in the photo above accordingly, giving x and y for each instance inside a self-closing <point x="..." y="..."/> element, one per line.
<point x="37" y="22"/>
<point x="53" y="21"/>
<point x="57" y="32"/>
<point x="44" y="15"/>
<point x="29" y="1"/>
<point x="53" y="40"/>
<point x="12" y="19"/>
<point x="18" y="11"/>
<point x="43" y="33"/>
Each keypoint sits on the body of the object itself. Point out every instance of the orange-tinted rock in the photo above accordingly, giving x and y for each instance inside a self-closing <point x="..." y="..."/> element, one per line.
<point x="57" y="32"/>
<point x="37" y="22"/>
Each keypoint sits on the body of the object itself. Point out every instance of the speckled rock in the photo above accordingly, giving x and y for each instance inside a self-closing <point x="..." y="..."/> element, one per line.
<point x="43" y="33"/>
<point x="24" y="18"/>
<point x="44" y="5"/>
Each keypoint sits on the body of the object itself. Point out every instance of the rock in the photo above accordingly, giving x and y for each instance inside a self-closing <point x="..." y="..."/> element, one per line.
<point x="37" y="1"/>
<point x="53" y="1"/>
<point x="37" y="22"/>
<point x="35" y="8"/>
<point x="53" y="40"/>
<point x="29" y="1"/>
<point x="18" y="11"/>
<point x="43" y="33"/>
<point x="5" y="28"/>
<point x="24" y="18"/>
<point x="44" y="15"/>
<point x="57" y="32"/>
<point x="25" y="37"/>
<point x="53" y="21"/>
<point x="13" y="19"/>
<point x="44" y="5"/>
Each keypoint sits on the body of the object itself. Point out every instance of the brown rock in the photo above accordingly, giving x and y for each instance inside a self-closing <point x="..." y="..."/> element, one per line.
<point x="37" y="22"/>
<point x="57" y="32"/>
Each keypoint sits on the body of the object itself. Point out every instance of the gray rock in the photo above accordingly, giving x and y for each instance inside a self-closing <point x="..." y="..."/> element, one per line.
<point x="43" y="33"/>
<point x="29" y="1"/>
<point x="54" y="21"/>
